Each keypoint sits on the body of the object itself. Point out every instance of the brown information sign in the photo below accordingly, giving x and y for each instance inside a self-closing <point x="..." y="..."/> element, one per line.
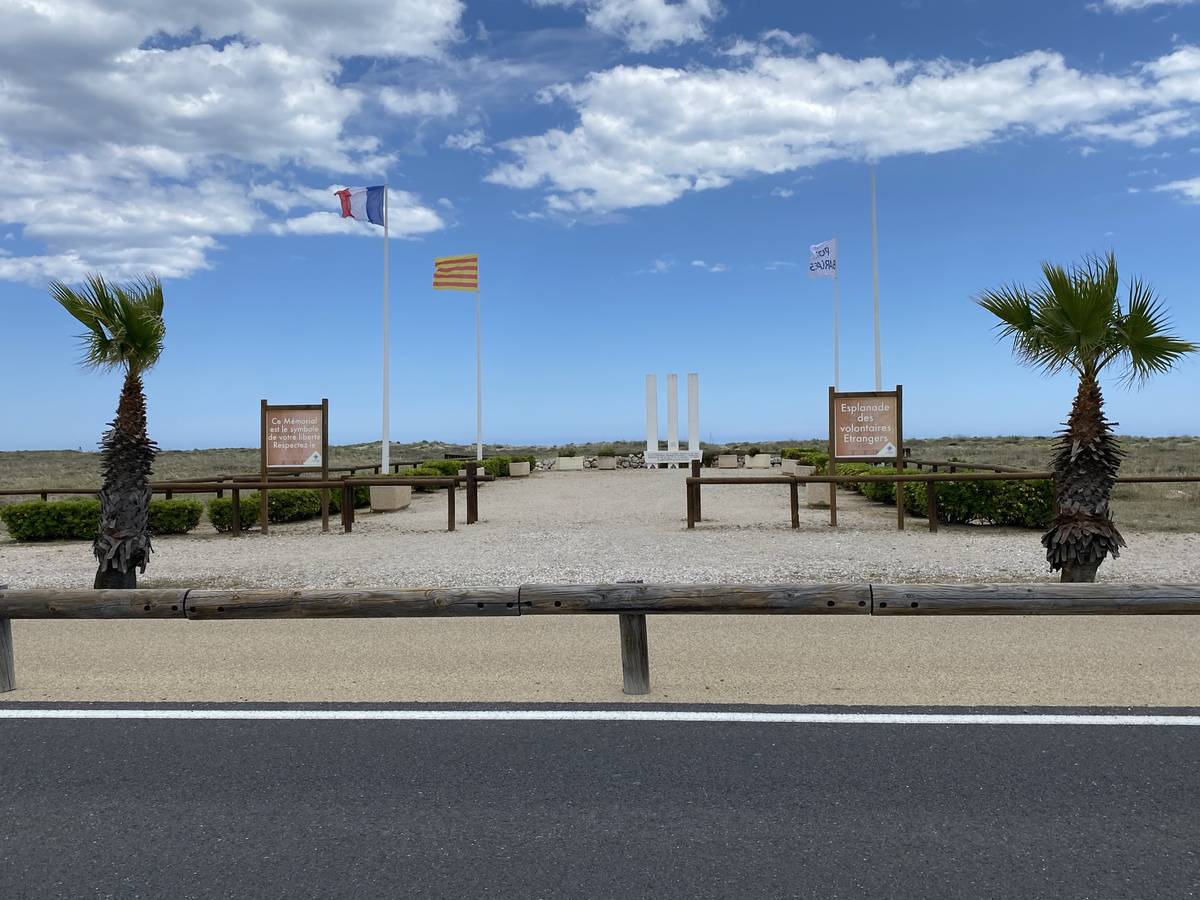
<point x="295" y="437"/>
<point x="866" y="426"/>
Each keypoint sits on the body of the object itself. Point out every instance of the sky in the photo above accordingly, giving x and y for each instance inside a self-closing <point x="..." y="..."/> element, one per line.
<point x="641" y="178"/>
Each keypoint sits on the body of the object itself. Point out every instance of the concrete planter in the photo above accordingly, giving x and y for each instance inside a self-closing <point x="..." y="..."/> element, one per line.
<point x="803" y="470"/>
<point x="606" y="462"/>
<point x="816" y="495"/>
<point x="759" y="461"/>
<point x="788" y="466"/>
<point x="519" y="469"/>
<point x="390" y="497"/>
<point x="727" y="461"/>
<point x="568" y="464"/>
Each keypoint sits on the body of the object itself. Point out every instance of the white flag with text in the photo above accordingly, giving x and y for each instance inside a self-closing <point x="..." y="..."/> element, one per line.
<point x="822" y="259"/>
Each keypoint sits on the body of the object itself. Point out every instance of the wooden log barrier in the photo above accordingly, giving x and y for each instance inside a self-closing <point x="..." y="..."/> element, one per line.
<point x="1034" y="599"/>
<point x="631" y="601"/>
<point x="306" y="604"/>
<point x="8" y="665"/>
<point x="792" y="599"/>
<point x="635" y="653"/>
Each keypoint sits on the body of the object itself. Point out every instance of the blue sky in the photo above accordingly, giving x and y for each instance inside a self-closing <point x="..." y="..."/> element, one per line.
<point x="641" y="178"/>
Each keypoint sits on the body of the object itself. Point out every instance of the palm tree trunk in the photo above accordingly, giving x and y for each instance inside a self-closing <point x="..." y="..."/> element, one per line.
<point x="122" y="544"/>
<point x="1085" y="466"/>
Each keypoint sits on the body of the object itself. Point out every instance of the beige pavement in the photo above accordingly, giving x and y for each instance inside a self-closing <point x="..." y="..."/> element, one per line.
<point x="1152" y="661"/>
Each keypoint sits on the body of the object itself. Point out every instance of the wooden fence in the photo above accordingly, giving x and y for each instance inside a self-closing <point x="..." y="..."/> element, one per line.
<point x="695" y="481"/>
<point x="630" y="601"/>
<point x="344" y="485"/>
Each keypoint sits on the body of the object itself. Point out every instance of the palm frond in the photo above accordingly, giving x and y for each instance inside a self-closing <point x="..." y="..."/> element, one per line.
<point x="1148" y="347"/>
<point x="124" y="322"/>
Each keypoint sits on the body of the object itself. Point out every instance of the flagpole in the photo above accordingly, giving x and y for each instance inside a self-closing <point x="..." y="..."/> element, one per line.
<point x="875" y="280"/>
<point x="385" y="454"/>
<point x="836" y="304"/>
<point x="478" y="384"/>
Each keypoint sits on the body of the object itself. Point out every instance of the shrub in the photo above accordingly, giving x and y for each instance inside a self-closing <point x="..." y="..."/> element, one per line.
<point x="807" y="457"/>
<point x="174" y="516"/>
<point x="497" y="466"/>
<point x="607" y="450"/>
<point x="1023" y="504"/>
<point x="565" y="451"/>
<point x="445" y="468"/>
<point x="41" y="520"/>
<point x="220" y="511"/>
<point x="708" y="458"/>
<point x="753" y="451"/>
<point x="424" y="471"/>
<point x="77" y="520"/>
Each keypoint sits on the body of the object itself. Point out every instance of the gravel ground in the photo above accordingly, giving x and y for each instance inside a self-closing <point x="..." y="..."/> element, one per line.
<point x="596" y="526"/>
<point x="603" y="526"/>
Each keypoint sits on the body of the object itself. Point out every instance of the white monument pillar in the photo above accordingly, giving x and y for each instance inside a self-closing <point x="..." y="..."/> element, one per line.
<point x="693" y="412"/>
<point x="651" y="413"/>
<point x="672" y="412"/>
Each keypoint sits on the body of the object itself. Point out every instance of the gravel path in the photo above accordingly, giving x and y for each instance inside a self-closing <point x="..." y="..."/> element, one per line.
<point x="596" y="526"/>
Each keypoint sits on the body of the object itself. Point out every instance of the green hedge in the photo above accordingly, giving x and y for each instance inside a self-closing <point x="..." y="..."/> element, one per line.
<point x="173" y="516"/>
<point x="445" y="468"/>
<point x="56" y="520"/>
<point x="1022" y="504"/>
<point x="283" y="505"/>
<point x="807" y="457"/>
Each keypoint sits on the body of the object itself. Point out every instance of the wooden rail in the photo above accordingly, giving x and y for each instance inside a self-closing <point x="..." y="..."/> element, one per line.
<point x="345" y="485"/>
<point x="632" y="602"/>
<point x="695" y="481"/>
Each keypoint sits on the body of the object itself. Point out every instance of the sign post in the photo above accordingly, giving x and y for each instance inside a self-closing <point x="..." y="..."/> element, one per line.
<point x="295" y="439"/>
<point x="866" y="426"/>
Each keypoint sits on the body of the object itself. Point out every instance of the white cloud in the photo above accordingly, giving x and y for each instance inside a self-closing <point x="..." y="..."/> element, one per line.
<point x="471" y="139"/>
<point x="646" y="24"/>
<point x="430" y="104"/>
<point x="779" y="264"/>
<point x="785" y="193"/>
<point x="710" y="267"/>
<point x="647" y="135"/>
<point x="1187" y="189"/>
<point x="136" y="136"/>
<point x="1130" y="5"/>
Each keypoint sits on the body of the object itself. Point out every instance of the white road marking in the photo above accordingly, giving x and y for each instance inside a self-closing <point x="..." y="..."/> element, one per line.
<point x="604" y="715"/>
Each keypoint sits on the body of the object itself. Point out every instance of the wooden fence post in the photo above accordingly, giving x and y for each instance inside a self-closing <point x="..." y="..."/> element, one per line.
<point x="931" y="504"/>
<point x="236" y="511"/>
<point x="8" y="668"/>
<point x="450" y="507"/>
<point x="696" y="498"/>
<point x="794" y="498"/>
<point x="635" y="653"/>
<point x="472" y="493"/>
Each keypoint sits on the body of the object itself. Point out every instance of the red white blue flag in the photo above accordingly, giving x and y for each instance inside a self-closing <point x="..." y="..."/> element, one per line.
<point x="363" y="203"/>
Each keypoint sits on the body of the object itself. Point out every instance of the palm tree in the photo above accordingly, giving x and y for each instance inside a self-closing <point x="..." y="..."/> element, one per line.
<point x="124" y="330"/>
<point x="1075" y="320"/>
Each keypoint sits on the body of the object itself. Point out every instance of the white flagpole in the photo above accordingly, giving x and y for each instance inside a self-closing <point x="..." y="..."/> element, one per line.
<point x="837" y="384"/>
<point x="385" y="455"/>
<point x="478" y="384"/>
<point x="875" y="280"/>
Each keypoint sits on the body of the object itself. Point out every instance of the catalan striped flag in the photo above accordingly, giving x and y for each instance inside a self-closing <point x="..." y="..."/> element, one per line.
<point x="456" y="273"/>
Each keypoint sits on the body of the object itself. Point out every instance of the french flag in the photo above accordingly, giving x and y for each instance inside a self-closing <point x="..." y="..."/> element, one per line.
<point x="363" y="203"/>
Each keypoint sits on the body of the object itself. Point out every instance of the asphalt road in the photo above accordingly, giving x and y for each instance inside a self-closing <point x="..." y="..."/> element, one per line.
<point x="180" y="809"/>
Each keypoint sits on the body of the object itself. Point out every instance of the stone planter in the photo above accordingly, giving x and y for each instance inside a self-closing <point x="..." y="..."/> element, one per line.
<point x="390" y="497"/>
<point x="788" y="466"/>
<point x="759" y="461"/>
<point x="568" y="464"/>
<point x="519" y="469"/>
<point x="606" y="462"/>
<point x="816" y="495"/>
<point x="727" y="461"/>
<point x="803" y="470"/>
